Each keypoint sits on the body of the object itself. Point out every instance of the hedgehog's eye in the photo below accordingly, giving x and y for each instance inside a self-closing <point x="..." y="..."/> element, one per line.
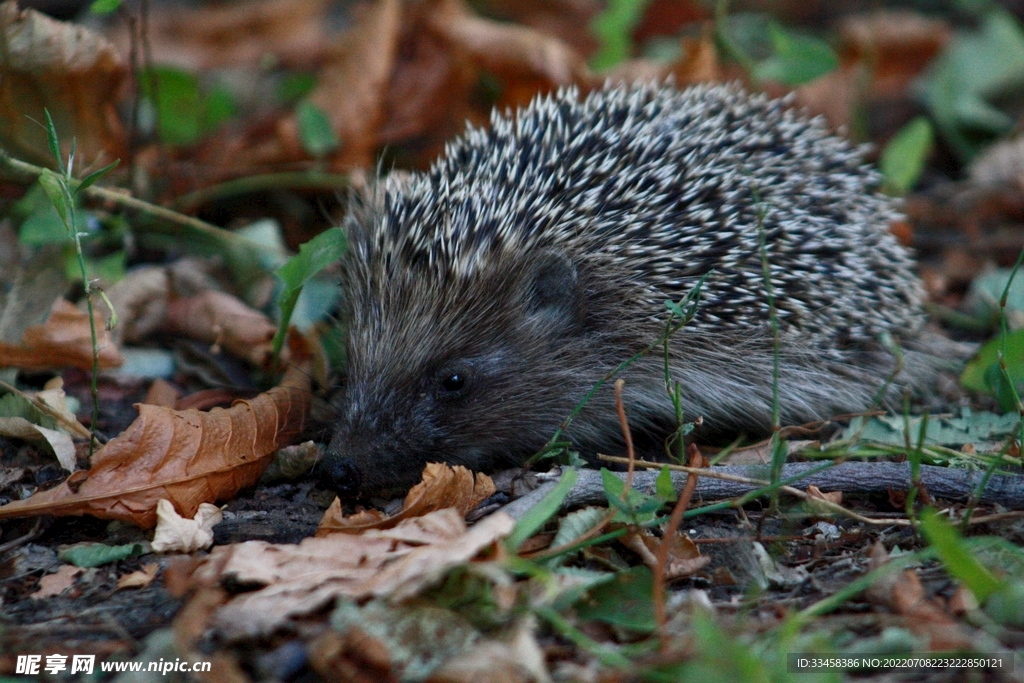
<point x="453" y="382"/>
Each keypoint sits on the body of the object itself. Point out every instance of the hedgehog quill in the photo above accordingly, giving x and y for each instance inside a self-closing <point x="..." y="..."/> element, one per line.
<point x="487" y="296"/>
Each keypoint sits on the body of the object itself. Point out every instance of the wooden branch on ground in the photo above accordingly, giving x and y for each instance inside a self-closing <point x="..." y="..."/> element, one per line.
<point x="851" y="478"/>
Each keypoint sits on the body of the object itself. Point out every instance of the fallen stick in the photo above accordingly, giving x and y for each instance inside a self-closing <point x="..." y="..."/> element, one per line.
<point x="877" y="477"/>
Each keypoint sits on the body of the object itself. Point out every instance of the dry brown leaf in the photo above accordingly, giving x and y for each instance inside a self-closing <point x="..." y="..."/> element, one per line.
<point x="510" y="51"/>
<point x="223" y="320"/>
<point x="519" y="660"/>
<point x="430" y="93"/>
<point x="903" y="594"/>
<point x="161" y="393"/>
<point x="54" y="402"/>
<point x="188" y="457"/>
<point x="684" y="559"/>
<point x="299" y="579"/>
<point x="698" y="63"/>
<point x="139" y="578"/>
<point x="58" y="582"/>
<point x="63" y="340"/>
<point x="832" y="496"/>
<point x="234" y="35"/>
<point x="897" y="44"/>
<point x="67" y="69"/>
<point x="351" y="88"/>
<point x="443" y="486"/>
<point x="62" y="445"/>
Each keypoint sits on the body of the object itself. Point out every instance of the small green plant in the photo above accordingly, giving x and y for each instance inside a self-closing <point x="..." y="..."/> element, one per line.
<point x="768" y="51"/>
<point x="614" y="29"/>
<point x="313" y="257"/>
<point x="63" y="190"/>
<point x="315" y="131"/>
<point x="903" y="159"/>
<point x="183" y="109"/>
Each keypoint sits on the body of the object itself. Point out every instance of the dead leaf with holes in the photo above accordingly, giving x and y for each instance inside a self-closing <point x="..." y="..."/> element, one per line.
<point x="188" y="457"/>
<point x="443" y="486"/>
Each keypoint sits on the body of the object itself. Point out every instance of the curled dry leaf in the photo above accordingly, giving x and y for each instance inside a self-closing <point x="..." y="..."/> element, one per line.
<point x="299" y="579"/>
<point x="67" y="69"/>
<point x="176" y="534"/>
<point x="218" y="318"/>
<point x="684" y="559"/>
<point x="442" y="487"/>
<point x="62" y="445"/>
<point x="188" y="457"/>
<point x="62" y="340"/>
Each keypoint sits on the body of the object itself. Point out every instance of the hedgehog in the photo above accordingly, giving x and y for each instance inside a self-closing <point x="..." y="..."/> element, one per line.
<point x="486" y="297"/>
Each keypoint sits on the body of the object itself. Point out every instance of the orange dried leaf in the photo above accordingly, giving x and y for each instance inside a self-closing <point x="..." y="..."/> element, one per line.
<point x="139" y="578"/>
<point x="442" y="487"/>
<point x="67" y="69"/>
<point x="188" y="457"/>
<point x="62" y="340"/>
<point x="219" y="318"/>
<point x="58" y="582"/>
<point x="508" y="49"/>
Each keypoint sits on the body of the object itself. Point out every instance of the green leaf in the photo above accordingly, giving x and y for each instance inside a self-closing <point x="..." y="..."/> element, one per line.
<point x="178" y="104"/>
<point x="540" y="513"/>
<point x="975" y="69"/>
<point x="111" y="268"/>
<point x="97" y="554"/>
<point x="664" y="487"/>
<point x="958" y="557"/>
<point x="636" y="509"/>
<point x="315" y="131"/>
<point x="977" y="373"/>
<point x="184" y="112"/>
<point x="218" y="107"/>
<point x="576" y="524"/>
<point x="1003" y="606"/>
<point x="51" y="139"/>
<point x="43" y="226"/>
<point x="625" y="601"/>
<point x="293" y="87"/>
<point x="904" y="157"/>
<point x="315" y="255"/>
<point x="952" y="432"/>
<point x="105" y="6"/>
<point x="13" y="405"/>
<point x="53" y="186"/>
<point x="797" y="58"/>
<point x="614" y="28"/>
<point x="90" y="179"/>
<point x="987" y="290"/>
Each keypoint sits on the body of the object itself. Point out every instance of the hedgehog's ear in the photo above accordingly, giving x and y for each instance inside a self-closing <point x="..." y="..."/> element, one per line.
<point x="554" y="294"/>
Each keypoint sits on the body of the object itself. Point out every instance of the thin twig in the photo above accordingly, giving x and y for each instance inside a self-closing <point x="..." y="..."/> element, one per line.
<point x="674" y="522"/>
<point x="627" y="435"/>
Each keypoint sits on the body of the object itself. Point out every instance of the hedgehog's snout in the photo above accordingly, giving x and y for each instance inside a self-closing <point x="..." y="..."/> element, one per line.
<point x="341" y="475"/>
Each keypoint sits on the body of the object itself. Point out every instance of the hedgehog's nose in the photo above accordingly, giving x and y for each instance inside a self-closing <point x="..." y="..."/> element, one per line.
<point x="341" y="475"/>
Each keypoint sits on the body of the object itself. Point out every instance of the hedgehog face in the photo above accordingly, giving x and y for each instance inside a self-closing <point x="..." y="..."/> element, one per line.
<point x="440" y="373"/>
